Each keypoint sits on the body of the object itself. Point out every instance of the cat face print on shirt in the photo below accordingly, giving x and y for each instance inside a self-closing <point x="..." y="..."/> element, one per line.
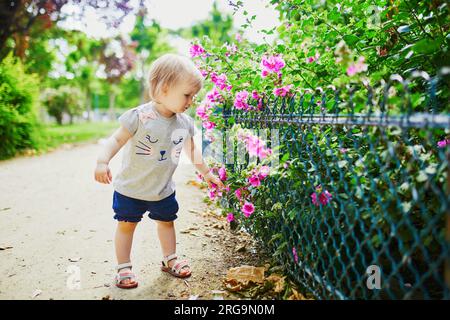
<point x="162" y="149"/>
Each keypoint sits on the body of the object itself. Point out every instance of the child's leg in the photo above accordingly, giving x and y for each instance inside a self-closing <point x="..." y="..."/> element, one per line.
<point x="167" y="238"/>
<point x="123" y="242"/>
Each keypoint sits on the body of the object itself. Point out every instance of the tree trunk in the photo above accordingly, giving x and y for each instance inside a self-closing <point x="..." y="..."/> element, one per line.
<point x="88" y="105"/>
<point x="112" y="100"/>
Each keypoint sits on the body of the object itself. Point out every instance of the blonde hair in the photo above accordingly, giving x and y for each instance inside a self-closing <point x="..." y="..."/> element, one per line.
<point x="169" y="69"/>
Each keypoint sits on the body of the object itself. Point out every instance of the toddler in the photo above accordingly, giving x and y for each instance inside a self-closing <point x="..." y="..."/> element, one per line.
<point x="153" y="135"/>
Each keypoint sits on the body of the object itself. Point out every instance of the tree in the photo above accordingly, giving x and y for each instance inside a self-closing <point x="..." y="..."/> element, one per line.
<point x="216" y="27"/>
<point x="17" y="17"/>
<point x="64" y="100"/>
<point x="150" y="39"/>
<point x="83" y="64"/>
<point x="118" y="58"/>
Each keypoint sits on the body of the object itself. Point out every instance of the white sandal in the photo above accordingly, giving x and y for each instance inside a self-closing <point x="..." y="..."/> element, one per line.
<point x="176" y="268"/>
<point x="125" y="275"/>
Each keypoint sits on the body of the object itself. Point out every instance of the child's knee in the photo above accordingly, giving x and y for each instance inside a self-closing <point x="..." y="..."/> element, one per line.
<point x="165" y="224"/>
<point x="125" y="226"/>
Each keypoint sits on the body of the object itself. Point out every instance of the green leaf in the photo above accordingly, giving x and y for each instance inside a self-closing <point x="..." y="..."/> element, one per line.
<point x="351" y="39"/>
<point x="292" y="214"/>
<point x="426" y="46"/>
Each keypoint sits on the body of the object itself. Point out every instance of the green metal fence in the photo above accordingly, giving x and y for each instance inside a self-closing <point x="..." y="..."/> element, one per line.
<point x="374" y="160"/>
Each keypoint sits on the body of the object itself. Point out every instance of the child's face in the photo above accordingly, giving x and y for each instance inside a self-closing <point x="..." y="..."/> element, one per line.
<point x="178" y="98"/>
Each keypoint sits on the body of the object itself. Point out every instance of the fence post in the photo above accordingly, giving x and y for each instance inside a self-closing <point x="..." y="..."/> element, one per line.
<point x="447" y="229"/>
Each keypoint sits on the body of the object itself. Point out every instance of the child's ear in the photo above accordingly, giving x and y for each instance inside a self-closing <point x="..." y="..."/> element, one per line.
<point x="165" y="89"/>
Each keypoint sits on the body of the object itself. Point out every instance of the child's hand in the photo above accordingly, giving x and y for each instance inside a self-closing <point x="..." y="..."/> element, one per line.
<point x="102" y="173"/>
<point x="210" y="178"/>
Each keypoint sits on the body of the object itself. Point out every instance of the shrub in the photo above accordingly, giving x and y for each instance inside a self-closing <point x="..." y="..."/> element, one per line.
<point x="65" y="99"/>
<point x="18" y="108"/>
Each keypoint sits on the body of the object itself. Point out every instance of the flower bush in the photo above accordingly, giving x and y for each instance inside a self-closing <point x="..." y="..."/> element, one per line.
<point x="332" y="182"/>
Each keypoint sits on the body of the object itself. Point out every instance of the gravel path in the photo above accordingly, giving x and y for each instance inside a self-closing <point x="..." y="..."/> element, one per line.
<point x="56" y="234"/>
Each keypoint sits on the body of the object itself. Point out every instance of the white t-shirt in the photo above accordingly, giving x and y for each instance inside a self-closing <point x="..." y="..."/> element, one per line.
<point x="151" y="156"/>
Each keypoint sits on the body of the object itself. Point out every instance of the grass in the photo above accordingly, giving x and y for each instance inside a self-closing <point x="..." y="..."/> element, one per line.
<point x="55" y="135"/>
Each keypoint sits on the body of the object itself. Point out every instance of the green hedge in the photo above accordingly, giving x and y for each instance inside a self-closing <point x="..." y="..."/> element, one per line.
<point x="18" y="108"/>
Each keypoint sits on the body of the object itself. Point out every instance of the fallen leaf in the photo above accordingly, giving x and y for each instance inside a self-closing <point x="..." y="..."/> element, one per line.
<point x="36" y="293"/>
<point x="240" y="277"/>
<point x="74" y="259"/>
<point x="5" y="247"/>
<point x="278" y="282"/>
<point x="4" y="209"/>
<point x="296" y="296"/>
<point x="194" y="183"/>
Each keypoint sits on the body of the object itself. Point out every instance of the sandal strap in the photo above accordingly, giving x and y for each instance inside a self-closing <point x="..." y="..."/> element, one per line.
<point x="123" y="276"/>
<point x="170" y="257"/>
<point x="123" y="266"/>
<point x="180" y="265"/>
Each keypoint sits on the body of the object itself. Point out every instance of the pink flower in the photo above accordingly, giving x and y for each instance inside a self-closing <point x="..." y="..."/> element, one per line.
<point x="240" y="101"/>
<point x="283" y="91"/>
<point x="260" y="104"/>
<point x="443" y="143"/>
<point x="238" y="37"/>
<point x="357" y="67"/>
<point x="213" y="96"/>
<point x="343" y="150"/>
<point x="231" y="49"/>
<point x="351" y="70"/>
<point x="230" y="217"/>
<point x="264" y="153"/>
<point x="202" y="112"/>
<point x="220" y="81"/>
<point x="208" y="125"/>
<point x="254" y="181"/>
<point x="248" y="209"/>
<point x="238" y="193"/>
<point x="196" y="50"/>
<point x="272" y="64"/>
<point x="313" y="58"/>
<point x="294" y="253"/>
<point x="212" y="195"/>
<point x="263" y="172"/>
<point x="324" y="196"/>
<point x="255" y="95"/>
<point x="222" y="174"/>
<point x="256" y="147"/>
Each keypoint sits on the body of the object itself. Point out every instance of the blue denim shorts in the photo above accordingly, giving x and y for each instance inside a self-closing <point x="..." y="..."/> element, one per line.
<point x="131" y="210"/>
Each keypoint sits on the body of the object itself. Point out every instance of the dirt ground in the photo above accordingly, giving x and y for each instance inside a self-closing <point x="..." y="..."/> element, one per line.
<point x="57" y="231"/>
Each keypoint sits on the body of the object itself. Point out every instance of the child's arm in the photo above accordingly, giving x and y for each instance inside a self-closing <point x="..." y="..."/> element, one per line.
<point x="108" y="151"/>
<point x="195" y="155"/>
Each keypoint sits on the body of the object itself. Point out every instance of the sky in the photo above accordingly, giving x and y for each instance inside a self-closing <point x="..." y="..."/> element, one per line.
<point x="186" y="14"/>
